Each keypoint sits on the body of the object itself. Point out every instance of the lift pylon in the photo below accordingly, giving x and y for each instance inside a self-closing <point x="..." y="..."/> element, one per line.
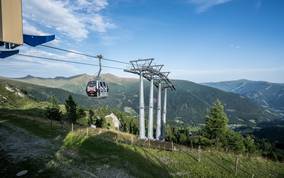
<point x="145" y="69"/>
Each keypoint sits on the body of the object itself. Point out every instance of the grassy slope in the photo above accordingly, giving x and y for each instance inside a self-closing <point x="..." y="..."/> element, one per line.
<point x="98" y="154"/>
<point x="167" y="164"/>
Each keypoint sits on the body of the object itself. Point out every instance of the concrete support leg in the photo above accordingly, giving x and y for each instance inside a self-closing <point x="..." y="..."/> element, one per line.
<point x="158" y="129"/>
<point x="164" y="116"/>
<point x="151" y="106"/>
<point x="141" y="110"/>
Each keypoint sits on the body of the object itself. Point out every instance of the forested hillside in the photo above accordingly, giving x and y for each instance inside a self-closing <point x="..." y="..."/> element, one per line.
<point x="266" y="94"/>
<point x="188" y="103"/>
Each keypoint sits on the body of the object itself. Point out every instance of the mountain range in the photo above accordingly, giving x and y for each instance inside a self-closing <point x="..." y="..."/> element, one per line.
<point x="266" y="94"/>
<point x="189" y="103"/>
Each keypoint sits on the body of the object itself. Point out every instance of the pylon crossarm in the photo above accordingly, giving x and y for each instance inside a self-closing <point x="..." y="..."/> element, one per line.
<point x="150" y="72"/>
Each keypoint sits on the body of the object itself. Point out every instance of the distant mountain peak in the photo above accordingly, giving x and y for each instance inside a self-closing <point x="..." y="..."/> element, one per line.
<point x="80" y="76"/>
<point x="27" y="77"/>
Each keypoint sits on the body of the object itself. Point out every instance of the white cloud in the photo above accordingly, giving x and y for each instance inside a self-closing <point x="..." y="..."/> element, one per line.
<point x="72" y="18"/>
<point x="92" y="5"/>
<point x="37" y="67"/>
<point x="55" y="14"/>
<point x="89" y="10"/>
<point x="108" y="40"/>
<point x="203" y="5"/>
<point x="98" y="24"/>
<point x="64" y="56"/>
<point x="30" y="29"/>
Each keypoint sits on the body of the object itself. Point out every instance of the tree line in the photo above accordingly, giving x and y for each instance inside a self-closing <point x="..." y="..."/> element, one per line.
<point x="73" y="114"/>
<point x="217" y="134"/>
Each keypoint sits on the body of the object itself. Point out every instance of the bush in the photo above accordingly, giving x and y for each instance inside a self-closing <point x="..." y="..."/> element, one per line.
<point x="183" y="138"/>
<point x="200" y="140"/>
<point x="101" y="122"/>
<point x="53" y="112"/>
<point x="81" y="113"/>
<point x="250" y="145"/>
<point x="234" y="141"/>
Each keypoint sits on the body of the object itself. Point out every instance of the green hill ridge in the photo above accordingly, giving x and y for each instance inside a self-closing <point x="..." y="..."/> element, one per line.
<point x="188" y="103"/>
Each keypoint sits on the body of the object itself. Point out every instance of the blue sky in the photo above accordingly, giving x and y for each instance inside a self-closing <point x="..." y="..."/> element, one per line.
<point x="197" y="40"/>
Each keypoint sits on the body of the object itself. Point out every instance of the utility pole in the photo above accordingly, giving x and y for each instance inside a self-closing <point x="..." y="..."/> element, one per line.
<point x="164" y="115"/>
<point x="151" y="106"/>
<point x="141" y="109"/>
<point x="158" y="129"/>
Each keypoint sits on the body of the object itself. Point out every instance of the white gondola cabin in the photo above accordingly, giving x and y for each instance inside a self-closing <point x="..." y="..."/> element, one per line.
<point x="97" y="89"/>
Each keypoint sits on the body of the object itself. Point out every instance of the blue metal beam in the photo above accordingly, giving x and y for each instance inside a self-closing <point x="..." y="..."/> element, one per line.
<point x="8" y="53"/>
<point x="34" y="40"/>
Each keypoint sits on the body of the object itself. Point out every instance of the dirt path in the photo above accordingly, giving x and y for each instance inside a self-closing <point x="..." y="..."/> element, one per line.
<point x="20" y="150"/>
<point x="20" y="144"/>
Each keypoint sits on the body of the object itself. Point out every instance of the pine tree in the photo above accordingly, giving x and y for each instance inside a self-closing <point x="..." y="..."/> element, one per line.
<point x="53" y="111"/>
<point x="91" y="115"/>
<point x="216" y="123"/>
<point x="71" y="109"/>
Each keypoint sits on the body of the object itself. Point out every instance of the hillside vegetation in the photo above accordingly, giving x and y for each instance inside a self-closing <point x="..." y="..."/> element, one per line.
<point x="104" y="153"/>
<point x="266" y="94"/>
<point x="188" y="103"/>
<point x="29" y="142"/>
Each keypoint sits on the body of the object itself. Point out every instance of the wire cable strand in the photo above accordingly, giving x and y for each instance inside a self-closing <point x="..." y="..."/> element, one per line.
<point x="66" y="61"/>
<point x="82" y="54"/>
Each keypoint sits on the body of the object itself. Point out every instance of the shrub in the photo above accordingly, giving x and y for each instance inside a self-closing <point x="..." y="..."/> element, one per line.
<point x="234" y="141"/>
<point x="250" y="145"/>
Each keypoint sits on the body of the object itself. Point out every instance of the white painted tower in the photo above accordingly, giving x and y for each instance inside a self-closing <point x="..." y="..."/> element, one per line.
<point x="164" y="119"/>
<point x="151" y="107"/>
<point x="158" y="129"/>
<point x="141" y="109"/>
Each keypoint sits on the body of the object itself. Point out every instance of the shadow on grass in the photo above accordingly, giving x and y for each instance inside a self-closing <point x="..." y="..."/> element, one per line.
<point x="31" y="133"/>
<point x="152" y="156"/>
<point x="232" y="164"/>
<point x="98" y="150"/>
<point x="121" y="156"/>
<point x="192" y="157"/>
<point x="32" y="124"/>
<point x="35" y="167"/>
<point x="220" y="165"/>
<point x="34" y="112"/>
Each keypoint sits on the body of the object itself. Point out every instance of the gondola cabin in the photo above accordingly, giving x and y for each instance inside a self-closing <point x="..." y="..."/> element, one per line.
<point x="97" y="89"/>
